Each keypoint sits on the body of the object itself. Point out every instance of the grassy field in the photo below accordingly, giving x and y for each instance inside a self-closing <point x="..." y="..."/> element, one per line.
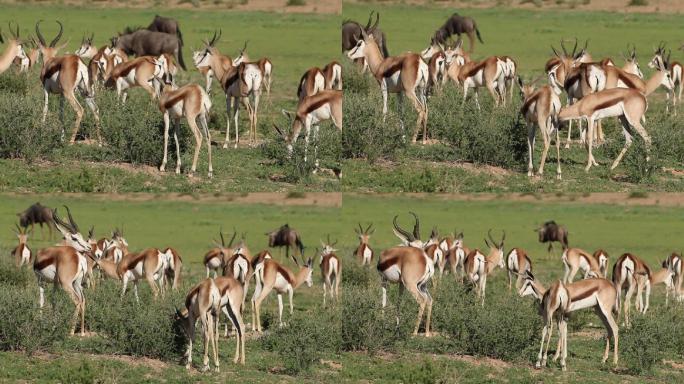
<point x="293" y="42"/>
<point x="648" y="231"/>
<point x="525" y="35"/>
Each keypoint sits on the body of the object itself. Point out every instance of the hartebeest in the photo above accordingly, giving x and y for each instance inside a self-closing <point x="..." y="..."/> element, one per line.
<point x="406" y="74"/>
<point x="477" y="266"/>
<point x="14" y="50"/>
<point x="22" y="253"/>
<point x="517" y="263"/>
<point x="561" y="299"/>
<point x="65" y="265"/>
<point x="411" y="268"/>
<point x="203" y="303"/>
<point x="575" y="259"/>
<point x="63" y="75"/>
<point x="364" y="252"/>
<point x="331" y="271"/>
<point x="630" y="272"/>
<point x="271" y="275"/>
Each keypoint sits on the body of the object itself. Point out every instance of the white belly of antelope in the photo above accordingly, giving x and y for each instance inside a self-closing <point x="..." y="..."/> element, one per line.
<point x="393" y="273"/>
<point x="25" y="255"/>
<point x="48" y="273"/>
<point x="367" y="254"/>
<point x="615" y="110"/>
<point x="51" y="84"/>
<point x="322" y="113"/>
<point x="513" y="261"/>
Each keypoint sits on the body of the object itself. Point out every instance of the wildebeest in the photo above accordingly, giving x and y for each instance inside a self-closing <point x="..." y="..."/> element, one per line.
<point x="141" y="42"/>
<point x="456" y="25"/>
<point x="37" y="214"/>
<point x="351" y="33"/>
<point x="286" y="237"/>
<point x="550" y="232"/>
<point x="166" y="25"/>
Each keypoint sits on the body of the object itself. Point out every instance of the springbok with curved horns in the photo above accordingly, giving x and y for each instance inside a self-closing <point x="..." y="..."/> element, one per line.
<point x="331" y="271"/>
<point x="210" y="62"/>
<point x="22" y="253"/>
<point x="676" y="69"/>
<point x="63" y="75"/>
<point x="265" y="66"/>
<point x="87" y="50"/>
<point x="410" y="267"/>
<point x="147" y="72"/>
<point x="364" y="252"/>
<point x="239" y="83"/>
<point x="202" y="302"/>
<point x="14" y="49"/>
<point x="217" y="257"/>
<point x="477" y="266"/>
<point x="406" y="74"/>
<point x="66" y="266"/>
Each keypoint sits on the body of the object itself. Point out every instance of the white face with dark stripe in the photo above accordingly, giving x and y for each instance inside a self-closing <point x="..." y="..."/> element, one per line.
<point x="358" y="51"/>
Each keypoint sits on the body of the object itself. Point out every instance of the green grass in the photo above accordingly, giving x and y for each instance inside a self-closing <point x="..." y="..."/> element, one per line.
<point x="648" y="231"/>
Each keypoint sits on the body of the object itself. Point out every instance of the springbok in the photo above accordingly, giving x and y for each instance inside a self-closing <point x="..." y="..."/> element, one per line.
<point x="477" y="266"/>
<point x="63" y="75"/>
<point x="325" y="105"/>
<point x="210" y="62"/>
<point x="676" y="70"/>
<point x="560" y="300"/>
<point x="32" y="54"/>
<point x="238" y="266"/>
<point x="333" y="75"/>
<point x="239" y="83"/>
<point x="663" y="276"/>
<point x="630" y="272"/>
<point x="364" y="252"/>
<point x="14" y="50"/>
<point x="311" y="82"/>
<point x="87" y="50"/>
<point x="192" y="102"/>
<point x="411" y="268"/>
<point x="674" y="263"/>
<point x="174" y="267"/>
<point x="518" y="263"/>
<point x="540" y="107"/>
<point x="66" y="266"/>
<point x="437" y="72"/>
<point x="146" y="72"/>
<point x="217" y="257"/>
<point x="575" y="259"/>
<point x="271" y="275"/>
<point x="602" y="257"/>
<point x="406" y="74"/>
<point x="22" y="253"/>
<point x="629" y="105"/>
<point x="232" y="295"/>
<point x="265" y="66"/>
<point x="489" y="73"/>
<point x="331" y="271"/>
<point x="150" y="264"/>
<point x="456" y="255"/>
<point x="103" y="63"/>
<point x="203" y="303"/>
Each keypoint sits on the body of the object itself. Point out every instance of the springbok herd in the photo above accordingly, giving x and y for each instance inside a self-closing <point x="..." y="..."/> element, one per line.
<point x="79" y="261"/>
<point x="595" y="90"/>
<point x="157" y="49"/>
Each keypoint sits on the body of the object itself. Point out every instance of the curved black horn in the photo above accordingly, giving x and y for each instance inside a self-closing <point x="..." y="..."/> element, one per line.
<point x="368" y="228"/>
<point x="574" y="49"/>
<point x="555" y="52"/>
<point x="41" y="39"/>
<point x="74" y="227"/>
<point x="565" y="51"/>
<point x="244" y="47"/>
<point x="416" y="226"/>
<point x="405" y="233"/>
<point x="370" y="19"/>
<point x="58" y="220"/>
<point x="489" y="234"/>
<point x="232" y="239"/>
<point x="223" y="240"/>
<point x="91" y="232"/>
<point x="59" y="35"/>
<point x="377" y="20"/>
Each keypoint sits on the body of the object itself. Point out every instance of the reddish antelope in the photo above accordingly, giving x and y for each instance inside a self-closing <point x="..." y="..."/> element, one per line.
<point x="150" y="264"/>
<point x="203" y="303"/>
<point x="676" y="69"/>
<point x="630" y="272"/>
<point x="518" y="263"/>
<point x="325" y="105"/>
<point x="22" y="253"/>
<point x="411" y="268"/>
<point x="63" y="75"/>
<point x="406" y="74"/>
<point x="575" y="259"/>
<point x="331" y="271"/>
<point x="66" y="266"/>
<point x="103" y="63"/>
<point x="629" y="105"/>
<point x="510" y="72"/>
<point x="271" y="275"/>
<point x="562" y="299"/>
<point x="14" y="50"/>
<point x="540" y="107"/>
<point x="311" y="82"/>
<point x="364" y="252"/>
<point x="674" y="263"/>
<point x="602" y="257"/>
<point x="217" y="257"/>
<point x="265" y="66"/>
<point x="477" y="266"/>
<point x="333" y="75"/>
<point x="192" y="102"/>
<point x="232" y="295"/>
<point x="174" y="267"/>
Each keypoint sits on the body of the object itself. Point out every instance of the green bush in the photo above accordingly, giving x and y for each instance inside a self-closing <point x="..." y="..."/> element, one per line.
<point x="357" y="82"/>
<point x="356" y="275"/>
<point x="10" y="275"/>
<point x="17" y="83"/>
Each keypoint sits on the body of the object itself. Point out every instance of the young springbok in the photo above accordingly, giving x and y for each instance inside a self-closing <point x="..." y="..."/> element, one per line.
<point x="517" y="263"/>
<point x="560" y="300"/>
<point x="63" y="75"/>
<point x="203" y="303"/>
<point x="271" y="275"/>
<point x="22" y="253"/>
<point x="364" y="252"/>
<point x="192" y="102"/>
<point x="575" y="259"/>
<point x="410" y="267"/>
<point x="265" y="66"/>
<point x="630" y="272"/>
<point x="477" y="266"/>
<point x="14" y="50"/>
<point x="66" y="266"/>
<point x="540" y="107"/>
<point x="406" y="74"/>
<point x="331" y="271"/>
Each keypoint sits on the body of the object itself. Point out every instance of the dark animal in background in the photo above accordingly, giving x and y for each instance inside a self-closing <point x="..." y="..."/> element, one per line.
<point x="456" y="25"/>
<point x="551" y="232"/>
<point x="37" y="214"/>
<point x="286" y="237"/>
<point x="166" y="25"/>
<point x="351" y="34"/>
<point x="141" y="42"/>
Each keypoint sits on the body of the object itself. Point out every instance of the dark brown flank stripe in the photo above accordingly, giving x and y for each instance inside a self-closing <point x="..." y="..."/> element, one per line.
<point x="383" y="266"/>
<point x="44" y="263"/>
<point x="176" y="96"/>
<point x="628" y="82"/>
<point x="528" y="102"/>
<point x="394" y="67"/>
<point x="132" y="261"/>
<point x="54" y="66"/>
<point x="609" y="103"/>
<point x="319" y="102"/>
<point x="285" y="273"/>
<point x="472" y="71"/>
<point x="551" y="63"/>
<point x="584" y="294"/>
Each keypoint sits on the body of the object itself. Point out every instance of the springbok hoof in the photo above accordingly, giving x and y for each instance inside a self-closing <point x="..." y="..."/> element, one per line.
<point x="225" y="145"/>
<point x="210" y="175"/>
<point x="567" y="145"/>
<point x="188" y="366"/>
<point x="178" y="171"/>
<point x="162" y="168"/>
<point x="217" y="369"/>
<point x="530" y="173"/>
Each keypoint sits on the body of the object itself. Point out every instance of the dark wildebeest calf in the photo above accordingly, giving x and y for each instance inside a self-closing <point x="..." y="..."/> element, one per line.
<point x="37" y="214"/>
<point x="142" y="42"/>
<point x="286" y="237"/>
<point x="351" y="34"/>
<point x="166" y="25"/>
<point x="456" y="25"/>
<point x="550" y="232"/>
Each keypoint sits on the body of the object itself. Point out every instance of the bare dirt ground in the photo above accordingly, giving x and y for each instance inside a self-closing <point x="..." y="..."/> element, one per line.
<point x="280" y="6"/>
<point x="659" y="6"/>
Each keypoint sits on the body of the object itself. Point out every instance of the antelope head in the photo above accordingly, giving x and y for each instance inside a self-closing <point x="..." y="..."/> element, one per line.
<point x="658" y="55"/>
<point x="86" y="50"/>
<point x="358" y="52"/>
<point x="22" y="233"/>
<point x="411" y="239"/>
<point x="496" y="249"/>
<point x="328" y="247"/>
<point x="432" y="49"/>
<point x="458" y="239"/>
<point x="242" y="56"/>
<point x="70" y="232"/>
<point x="119" y="240"/>
<point x="18" y="43"/>
<point x="364" y="235"/>
<point x="49" y="50"/>
<point x="528" y="287"/>
<point x="225" y="250"/>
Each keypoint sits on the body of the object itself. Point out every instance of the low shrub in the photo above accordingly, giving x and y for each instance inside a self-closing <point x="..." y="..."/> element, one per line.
<point x="10" y="275"/>
<point x="356" y="275"/>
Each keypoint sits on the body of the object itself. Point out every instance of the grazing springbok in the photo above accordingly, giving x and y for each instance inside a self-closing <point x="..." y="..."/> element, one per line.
<point x="232" y="295"/>
<point x="192" y="102"/>
<point x="265" y="66"/>
<point x="271" y="275"/>
<point x="146" y="72"/>
<point x="65" y="266"/>
<point x="325" y="105"/>
<point x="22" y="253"/>
<point x="406" y="74"/>
<point x="676" y="69"/>
<point x="663" y="276"/>
<point x="629" y="105"/>
<point x="540" y="108"/>
<point x="602" y="257"/>
<point x="560" y="300"/>
<point x="287" y="237"/>
<point x="630" y="272"/>
<point x="551" y="232"/>
<point x="203" y="303"/>
<point x="410" y="267"/>
<point x="518" y="263"/>
<point x="150" y="264"/>
<point x="674" y="263"/>
<point x="217" y="257"/>
<point x="575" y="259"/>
<point x="364" y="252"/>
<point x="333" y="75"/>
<point x="311" y="82"/>
<point x="13" y="51"/>
<point x="331" y="271"/>
<point x="63" y="75"/>
<point x="477" y="266"/>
